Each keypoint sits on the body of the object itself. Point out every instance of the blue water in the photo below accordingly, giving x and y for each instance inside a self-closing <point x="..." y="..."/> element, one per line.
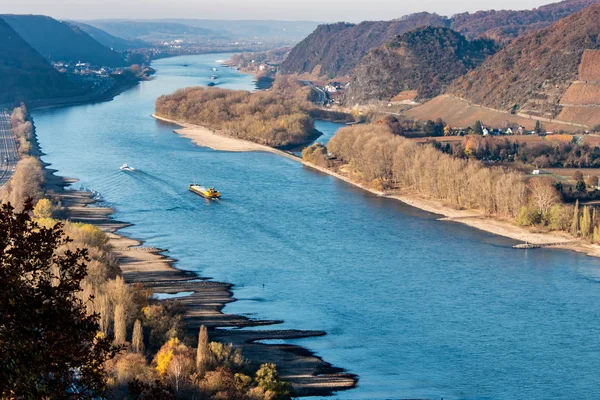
<point x="414" y="306"/>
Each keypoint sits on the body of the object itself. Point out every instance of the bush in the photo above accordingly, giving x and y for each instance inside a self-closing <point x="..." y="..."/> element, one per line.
<point x="529" y="216"/>
<point x="560" y="217"/>
<point x="316" y="154"/>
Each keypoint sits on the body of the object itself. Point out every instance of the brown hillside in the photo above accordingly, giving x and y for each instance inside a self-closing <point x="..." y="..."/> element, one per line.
<point x="531" y="74"/>
<point x="424" y="60"/>
<point x="504" y="25"/>
<point x="335" y="49"/>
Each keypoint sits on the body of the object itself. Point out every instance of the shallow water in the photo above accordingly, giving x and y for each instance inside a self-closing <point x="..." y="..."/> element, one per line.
<point x="414" y="306"/>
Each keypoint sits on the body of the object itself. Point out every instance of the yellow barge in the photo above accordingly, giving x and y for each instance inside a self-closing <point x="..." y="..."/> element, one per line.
<point x="207" y="193"/>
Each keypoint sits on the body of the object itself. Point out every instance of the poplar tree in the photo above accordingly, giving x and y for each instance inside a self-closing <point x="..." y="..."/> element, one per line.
<point x="137" y="339"/>
<point x="203" y="351"/>
<point x="585" y="224"/>
<point x="120" y="326"/>
<point x="575" y="222"/>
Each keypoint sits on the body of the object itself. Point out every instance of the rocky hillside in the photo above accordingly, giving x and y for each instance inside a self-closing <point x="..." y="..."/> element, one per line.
<point x="505" y="25"/>
<point x="335" y="49"/>
<point x="25" y="74"/>
<point x="422" y="62"/>
<point x="58" y="41"/>
<point x="533" y="73"/>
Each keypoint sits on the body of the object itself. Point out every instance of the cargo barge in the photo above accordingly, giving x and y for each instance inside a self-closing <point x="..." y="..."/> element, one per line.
<point x="207" y="193"/>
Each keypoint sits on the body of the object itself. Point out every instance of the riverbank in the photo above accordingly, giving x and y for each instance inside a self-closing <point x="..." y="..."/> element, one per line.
<point x="308" y="373"/>
<point x="207" y="138"/>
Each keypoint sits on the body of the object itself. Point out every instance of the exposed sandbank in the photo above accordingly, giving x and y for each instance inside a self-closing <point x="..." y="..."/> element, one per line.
<point x="308" y="374"/>
<point x="471" y="218"/>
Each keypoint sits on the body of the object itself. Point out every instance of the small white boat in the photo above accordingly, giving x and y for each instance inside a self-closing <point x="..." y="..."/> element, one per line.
<point x="215" y="69"/>
<point x="213" y="77"/>
<point x="126" y="167"/>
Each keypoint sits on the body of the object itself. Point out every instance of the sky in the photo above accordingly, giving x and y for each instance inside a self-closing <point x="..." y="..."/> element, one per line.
<point x="290" y="10"/>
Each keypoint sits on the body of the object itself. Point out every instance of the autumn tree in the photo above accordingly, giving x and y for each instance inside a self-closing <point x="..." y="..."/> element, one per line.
<point x="48" y="342"/>
<point x="592" y="181"/>
<point x="268" y="379"/>
<point x="137" y="339"/>
<point x="538" y="127"/>
<point x="43" y="209"/>
<point x="585" y="223"/>
<point x="575" y="220"/>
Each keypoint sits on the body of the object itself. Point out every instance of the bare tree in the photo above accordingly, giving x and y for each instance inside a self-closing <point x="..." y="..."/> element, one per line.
<point x="543" y="194"/>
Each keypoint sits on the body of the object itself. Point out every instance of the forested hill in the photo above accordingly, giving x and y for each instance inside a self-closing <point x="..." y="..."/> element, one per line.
<point x="533" y="72"/>
<point x="336" y="49"/>
<point x="25" y="74"/>
<point x="58" y="41"/>
<point x="423" y="61"/>
<point x="504" y="25"/>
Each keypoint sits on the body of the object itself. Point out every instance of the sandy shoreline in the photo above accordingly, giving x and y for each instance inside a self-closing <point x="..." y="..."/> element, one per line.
<point x="205" y="137"/>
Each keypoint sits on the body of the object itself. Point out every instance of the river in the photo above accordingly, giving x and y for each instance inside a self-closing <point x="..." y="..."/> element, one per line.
<point x="416" y="307"/>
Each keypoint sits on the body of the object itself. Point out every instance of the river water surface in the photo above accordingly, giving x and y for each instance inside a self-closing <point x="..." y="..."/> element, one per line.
<point x="414" y="306"/>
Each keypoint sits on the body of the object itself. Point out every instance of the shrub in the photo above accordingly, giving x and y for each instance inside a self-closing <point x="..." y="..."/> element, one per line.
<point x="560" y="217"/>
<point x="529" y="216"/>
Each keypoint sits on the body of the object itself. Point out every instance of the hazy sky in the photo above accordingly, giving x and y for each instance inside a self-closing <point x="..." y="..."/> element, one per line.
<point x="314" y="10"/>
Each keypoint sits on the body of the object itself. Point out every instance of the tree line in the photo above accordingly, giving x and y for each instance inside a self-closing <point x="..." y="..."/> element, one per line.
<point x="551" y="153"/>
<point x="388" y="161"/>
<point x="372" y="154"/>
<point x="28" y="176"/>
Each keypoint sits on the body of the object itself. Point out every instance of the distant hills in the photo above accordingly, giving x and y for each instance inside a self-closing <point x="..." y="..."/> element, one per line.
<point x="416" y="65"/>
<point x="108" y="40"/>
<point x="534" y="72"/>
<point x="336" y="49"/>
<point x="195" y="29"/>
<point x="60" y="41"/>
<point x="25" y="74"/>
<point x="153" y="31"/>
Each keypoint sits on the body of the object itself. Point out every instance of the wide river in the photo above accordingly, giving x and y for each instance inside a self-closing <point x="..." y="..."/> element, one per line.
<point x="416" y="307"/>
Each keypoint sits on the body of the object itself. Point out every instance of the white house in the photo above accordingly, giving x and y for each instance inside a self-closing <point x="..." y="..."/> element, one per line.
<point x="509" y="131"/>
<point x="486" y="131"/>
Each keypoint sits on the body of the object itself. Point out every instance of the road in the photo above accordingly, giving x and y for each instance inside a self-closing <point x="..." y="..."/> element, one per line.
<point x="320" y="92"/>
<point x="8" y="150"/>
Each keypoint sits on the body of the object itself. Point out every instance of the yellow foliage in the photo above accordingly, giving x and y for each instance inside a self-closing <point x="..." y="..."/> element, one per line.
<point x="563" y="138"/>
<point x="166" y="354"/>
<point x="43" y="209"/>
